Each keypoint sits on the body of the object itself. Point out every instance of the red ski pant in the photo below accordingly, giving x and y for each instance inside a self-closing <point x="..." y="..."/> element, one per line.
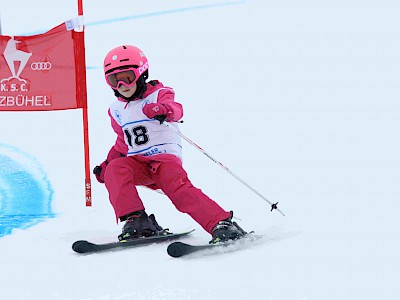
<point x="162" y="171"/>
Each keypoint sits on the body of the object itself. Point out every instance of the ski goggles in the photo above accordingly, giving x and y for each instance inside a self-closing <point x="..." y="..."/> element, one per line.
<point x="127" y="77"/>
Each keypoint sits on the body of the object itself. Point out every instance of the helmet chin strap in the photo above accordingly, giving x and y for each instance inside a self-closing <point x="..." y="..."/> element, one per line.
<point x="140" y="90"/>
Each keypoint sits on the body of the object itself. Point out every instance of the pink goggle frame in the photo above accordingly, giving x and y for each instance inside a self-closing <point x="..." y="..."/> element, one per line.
<point x="127" y="77"/>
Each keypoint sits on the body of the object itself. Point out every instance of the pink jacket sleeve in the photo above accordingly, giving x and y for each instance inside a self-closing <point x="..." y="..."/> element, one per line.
<point x="119" y="145"/>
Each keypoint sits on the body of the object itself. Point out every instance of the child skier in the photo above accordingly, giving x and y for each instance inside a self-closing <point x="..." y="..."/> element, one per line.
<point x="148" y="153"/>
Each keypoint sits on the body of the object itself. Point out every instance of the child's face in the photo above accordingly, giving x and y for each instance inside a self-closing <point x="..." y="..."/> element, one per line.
<point x="127" y="91"/>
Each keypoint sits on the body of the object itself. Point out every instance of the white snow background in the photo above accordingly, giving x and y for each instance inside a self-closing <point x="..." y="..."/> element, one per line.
<point x="298" y="98"/>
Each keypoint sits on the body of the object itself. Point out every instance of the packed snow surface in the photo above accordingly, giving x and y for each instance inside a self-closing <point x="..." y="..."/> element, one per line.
<point x="298" y="98"/>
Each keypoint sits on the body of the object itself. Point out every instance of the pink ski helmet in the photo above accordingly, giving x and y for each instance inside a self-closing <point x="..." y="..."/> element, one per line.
<point x="125" y="56"/>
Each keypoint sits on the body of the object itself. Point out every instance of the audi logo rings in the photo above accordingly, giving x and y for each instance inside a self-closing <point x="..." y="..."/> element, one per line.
<point x="41" y="66"/>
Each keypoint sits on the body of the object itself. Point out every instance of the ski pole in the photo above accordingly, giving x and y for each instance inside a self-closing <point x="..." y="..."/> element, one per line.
<point x="273" y="205"/>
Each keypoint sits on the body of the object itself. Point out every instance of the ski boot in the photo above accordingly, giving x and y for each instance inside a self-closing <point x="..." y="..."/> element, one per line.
<point x="226" y="230"/>
<point x="139" y="224"/>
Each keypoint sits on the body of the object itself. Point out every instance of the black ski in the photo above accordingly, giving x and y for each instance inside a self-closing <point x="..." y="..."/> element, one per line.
<point x="88" y="247"/>
<point x="179" y="249"/>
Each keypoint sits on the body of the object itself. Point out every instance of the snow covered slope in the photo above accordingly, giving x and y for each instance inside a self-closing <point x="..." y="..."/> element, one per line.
<point x="299" y="98"/>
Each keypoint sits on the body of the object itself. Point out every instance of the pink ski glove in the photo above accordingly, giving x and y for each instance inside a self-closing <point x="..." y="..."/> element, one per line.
<point x="155" y="111"/>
